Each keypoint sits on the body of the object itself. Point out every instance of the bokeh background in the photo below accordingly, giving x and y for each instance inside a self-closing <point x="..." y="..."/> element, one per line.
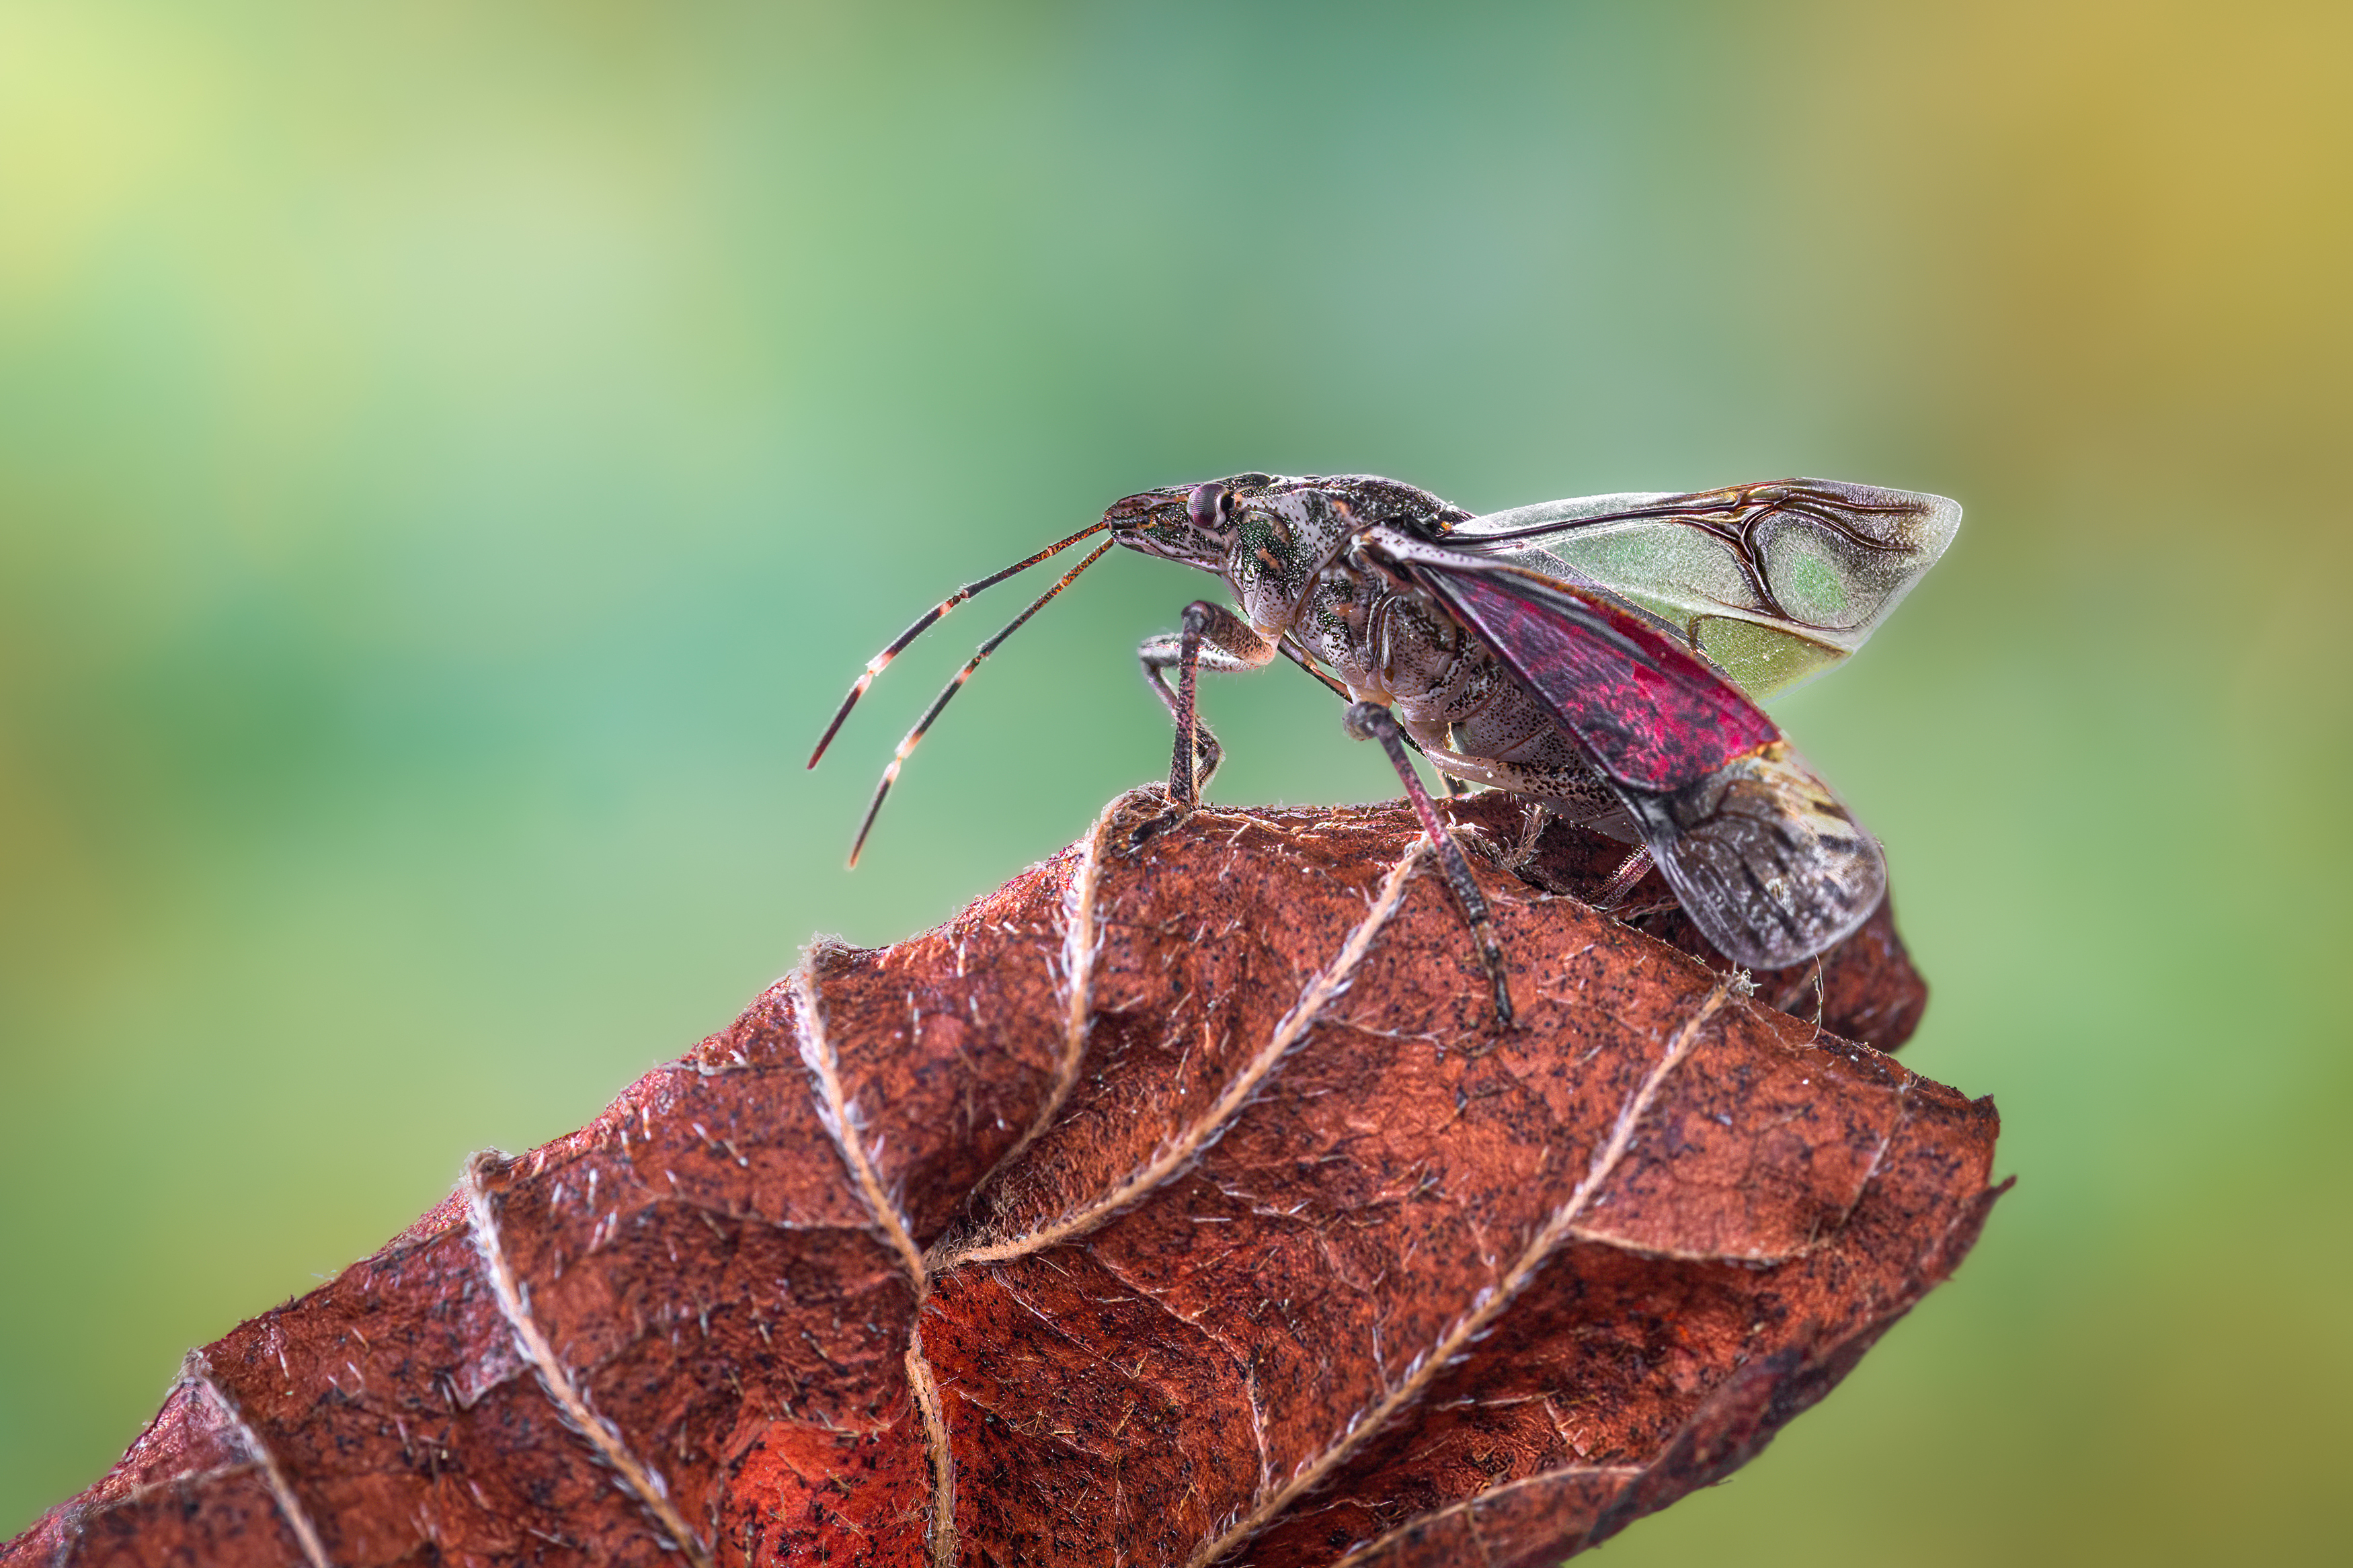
<point x="452" y="457"/>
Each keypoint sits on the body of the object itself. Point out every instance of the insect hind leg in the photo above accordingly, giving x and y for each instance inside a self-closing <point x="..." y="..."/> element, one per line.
<point x="1630" y="870"/>
<point x="1370" y="720"/>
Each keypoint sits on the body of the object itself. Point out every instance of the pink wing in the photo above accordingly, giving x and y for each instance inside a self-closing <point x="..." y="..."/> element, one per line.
<point x="1649" y="712"/>
<point x="1768" y="862"/>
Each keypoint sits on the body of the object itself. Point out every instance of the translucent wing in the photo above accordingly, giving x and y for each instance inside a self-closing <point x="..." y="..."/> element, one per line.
<point x="1768" y="863"/>
<point x="1774" y="582"/>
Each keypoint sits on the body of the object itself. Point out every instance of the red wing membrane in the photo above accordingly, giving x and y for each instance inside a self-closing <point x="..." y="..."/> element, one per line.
<point x="1765" y="859"/>
<point x="1648" y="710"/>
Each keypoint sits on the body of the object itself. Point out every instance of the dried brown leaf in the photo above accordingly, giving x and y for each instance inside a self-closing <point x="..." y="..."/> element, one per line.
<point x="1177" y="1208"/>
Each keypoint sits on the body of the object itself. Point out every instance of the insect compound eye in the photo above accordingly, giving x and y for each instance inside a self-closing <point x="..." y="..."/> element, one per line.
<point x="1207" y="505"/>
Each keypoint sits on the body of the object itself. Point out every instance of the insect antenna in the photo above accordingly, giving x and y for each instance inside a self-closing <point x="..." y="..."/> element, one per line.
<point x="876" y="665"/>
<point x="890" y="774"/>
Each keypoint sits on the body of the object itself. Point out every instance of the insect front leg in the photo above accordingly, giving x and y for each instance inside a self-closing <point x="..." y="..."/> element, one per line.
<point x="1370" y="720"/>
<point x="1212" y="637"/>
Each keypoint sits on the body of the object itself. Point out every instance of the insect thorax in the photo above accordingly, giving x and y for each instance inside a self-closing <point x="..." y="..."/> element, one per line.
<point x="1292" y="570"/>
<point x="1291" y="567"/>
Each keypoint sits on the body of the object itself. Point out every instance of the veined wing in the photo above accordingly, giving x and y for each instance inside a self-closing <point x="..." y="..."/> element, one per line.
<point x="1775" y="582"/>
<point x="1651" y="715"/>
<point x="1764" y="857"/>
<point x="1768" y="863"/>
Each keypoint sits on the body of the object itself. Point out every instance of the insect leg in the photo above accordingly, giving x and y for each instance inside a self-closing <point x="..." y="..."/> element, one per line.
<point x="1370" y="720"/>
<point x="1290" y="650"/>
<point x="1214" y="638"/>
<point x="1621" y="881"/>
<point x="1454" y="787"/>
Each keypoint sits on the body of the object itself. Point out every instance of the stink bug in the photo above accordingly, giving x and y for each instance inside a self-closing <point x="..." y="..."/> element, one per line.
<point x="1602" y="656"/>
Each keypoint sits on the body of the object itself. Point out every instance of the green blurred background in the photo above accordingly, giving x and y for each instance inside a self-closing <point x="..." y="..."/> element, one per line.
<point x="452" y="457"/>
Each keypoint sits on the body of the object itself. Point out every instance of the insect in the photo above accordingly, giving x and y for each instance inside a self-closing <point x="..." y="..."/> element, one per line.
<point x="1603" y="656"/>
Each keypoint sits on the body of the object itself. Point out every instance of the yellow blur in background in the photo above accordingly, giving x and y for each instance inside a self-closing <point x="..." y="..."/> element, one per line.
<point x="453" y="457"/>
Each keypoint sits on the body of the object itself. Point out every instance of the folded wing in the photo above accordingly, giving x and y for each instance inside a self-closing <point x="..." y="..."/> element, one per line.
<point x="1766" y="859"/>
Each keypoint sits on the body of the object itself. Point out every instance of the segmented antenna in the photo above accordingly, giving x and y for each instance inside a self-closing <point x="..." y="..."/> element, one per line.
<point x="881" y="661"/>
<point x="890" y="774"/>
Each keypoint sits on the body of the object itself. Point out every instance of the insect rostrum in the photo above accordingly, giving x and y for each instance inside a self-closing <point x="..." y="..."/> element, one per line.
<point x="1602" y="656"/>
